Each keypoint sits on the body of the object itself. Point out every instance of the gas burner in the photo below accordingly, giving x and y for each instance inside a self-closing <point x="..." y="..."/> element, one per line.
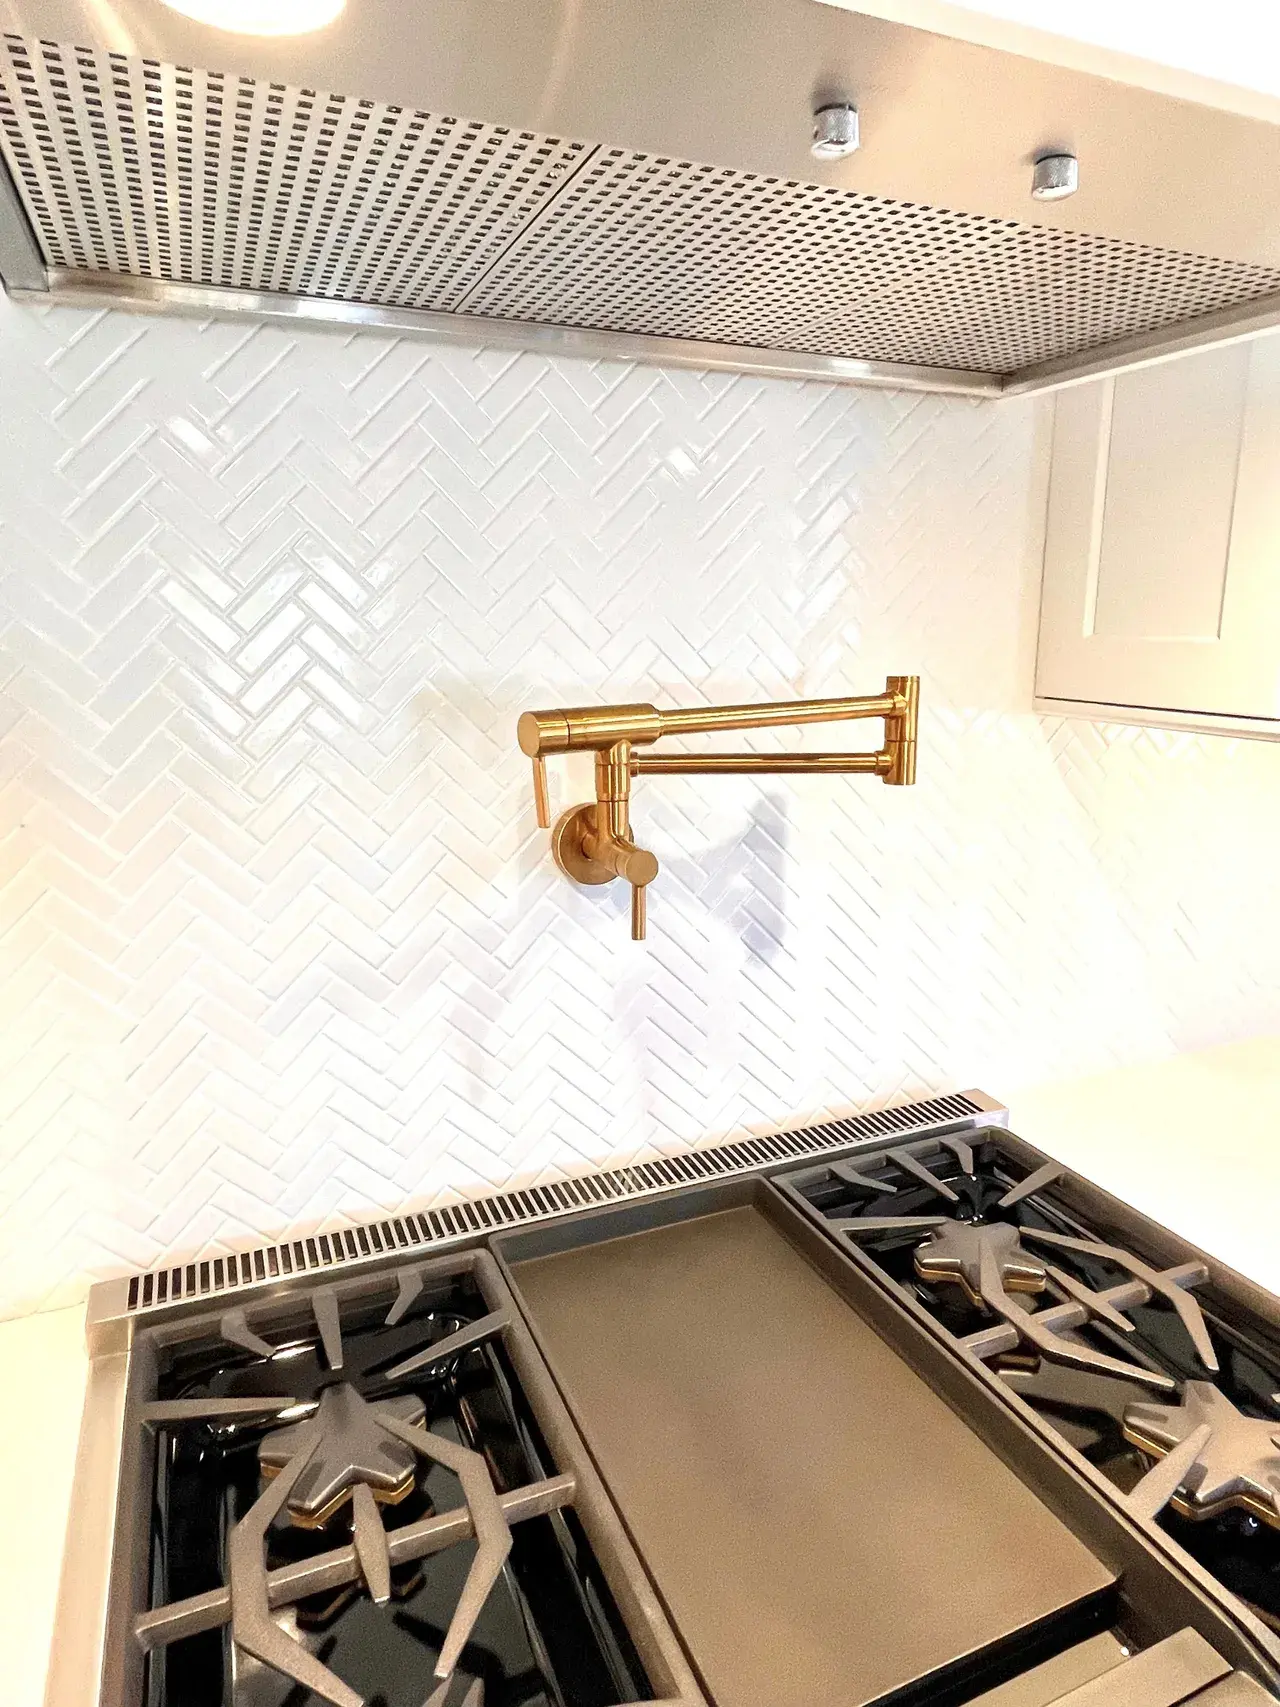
<point x="981" y="1257"/>
<point x="988" y="1260"/>
<point x="353" y="1449"/>
<point x="255" y="1631"/>
<point x="348" y="1453"/>
<point x="958" y="1252"/>
<point x="1210" y="1457"/>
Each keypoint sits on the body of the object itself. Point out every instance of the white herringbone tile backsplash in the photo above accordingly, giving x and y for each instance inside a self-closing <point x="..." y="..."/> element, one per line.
<point x="279" y="942"/>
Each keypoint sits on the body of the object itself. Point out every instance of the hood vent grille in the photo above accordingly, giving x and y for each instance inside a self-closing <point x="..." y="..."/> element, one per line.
<point x="432" y="1229"/>
<point x="666" y="247"/>
<point x="132" y="167"/>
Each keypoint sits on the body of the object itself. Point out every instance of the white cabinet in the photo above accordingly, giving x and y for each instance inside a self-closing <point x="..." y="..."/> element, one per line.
<point x="1161" y="596"/>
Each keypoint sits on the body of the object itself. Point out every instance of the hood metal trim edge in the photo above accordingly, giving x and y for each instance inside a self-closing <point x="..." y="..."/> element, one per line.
<point x="29" y="282"/>
<point x="22" y="265"/>
<point x="1147" y="349"/>
<point x="72" y="288"/>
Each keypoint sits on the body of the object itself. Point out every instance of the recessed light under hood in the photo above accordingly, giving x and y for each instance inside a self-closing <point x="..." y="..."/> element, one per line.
<point x="261" y="17"/>
<point x="149" y="185"/>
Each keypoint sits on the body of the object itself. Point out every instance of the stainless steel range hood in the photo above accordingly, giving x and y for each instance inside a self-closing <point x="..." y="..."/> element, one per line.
<point x="604" y="178"/>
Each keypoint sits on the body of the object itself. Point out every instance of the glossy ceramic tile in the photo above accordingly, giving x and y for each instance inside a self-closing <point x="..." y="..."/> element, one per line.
<point x="279" y="941"/>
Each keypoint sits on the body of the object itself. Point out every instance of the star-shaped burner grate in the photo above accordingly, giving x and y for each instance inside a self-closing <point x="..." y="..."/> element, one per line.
<point x="348" y="1448"/>
<point x="1211" y="1457"/>
<point x="255" y="1631"/>
<point x="354" y="1450"/>
<point x="959" y="1251"/>
<point x="987" y="1259"/>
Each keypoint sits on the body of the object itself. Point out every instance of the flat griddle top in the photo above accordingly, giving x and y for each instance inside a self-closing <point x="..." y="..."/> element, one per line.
<point x="822" y="1527"/>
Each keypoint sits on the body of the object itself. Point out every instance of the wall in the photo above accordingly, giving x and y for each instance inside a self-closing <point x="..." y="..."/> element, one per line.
<point x="279" y="941"/>
<point x="1226" y="56"/>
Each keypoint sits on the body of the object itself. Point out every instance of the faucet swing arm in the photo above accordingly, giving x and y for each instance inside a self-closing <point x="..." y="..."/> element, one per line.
<point x="592" y="843"/>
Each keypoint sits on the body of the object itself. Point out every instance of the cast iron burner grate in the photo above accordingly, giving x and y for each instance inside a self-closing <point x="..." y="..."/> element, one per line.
<point x="372" y="1487"/>
<point x="1175" y="1405"/>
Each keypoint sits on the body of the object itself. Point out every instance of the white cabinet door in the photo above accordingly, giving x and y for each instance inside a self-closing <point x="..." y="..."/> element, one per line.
<point x="1162" y="550"/>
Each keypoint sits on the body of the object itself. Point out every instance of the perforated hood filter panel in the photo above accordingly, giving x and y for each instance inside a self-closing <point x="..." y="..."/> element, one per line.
<point x="663" y="246"/>
<point x="127" y="166"/>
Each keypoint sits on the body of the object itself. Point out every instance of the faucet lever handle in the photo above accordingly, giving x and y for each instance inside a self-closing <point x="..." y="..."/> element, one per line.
<point x="638" y="893"/>
<point x="541" y="799"/>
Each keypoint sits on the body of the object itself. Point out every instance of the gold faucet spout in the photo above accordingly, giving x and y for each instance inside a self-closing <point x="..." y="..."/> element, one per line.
<point x="592" y="843"/>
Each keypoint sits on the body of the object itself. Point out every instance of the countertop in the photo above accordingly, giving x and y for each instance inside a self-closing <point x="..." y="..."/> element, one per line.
<point x="45" y="1367"/>
<point x="1190" y="1140"/>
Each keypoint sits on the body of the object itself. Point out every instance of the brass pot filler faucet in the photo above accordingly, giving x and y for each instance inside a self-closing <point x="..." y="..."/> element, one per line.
<point x="592" y="843"/>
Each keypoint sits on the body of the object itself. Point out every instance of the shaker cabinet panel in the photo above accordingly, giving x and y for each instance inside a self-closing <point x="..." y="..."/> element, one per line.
<point x="1162" y="552"/>
<point x="1163" y="543"/>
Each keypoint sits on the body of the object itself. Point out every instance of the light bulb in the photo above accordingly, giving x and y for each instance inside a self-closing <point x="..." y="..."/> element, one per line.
<point x="260" y="17"/>
<point x="1055" y="177"/>
<point x="835" y="131"/>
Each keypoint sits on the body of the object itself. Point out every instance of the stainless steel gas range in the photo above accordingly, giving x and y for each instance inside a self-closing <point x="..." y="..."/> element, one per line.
<point x="890" y="1410"/>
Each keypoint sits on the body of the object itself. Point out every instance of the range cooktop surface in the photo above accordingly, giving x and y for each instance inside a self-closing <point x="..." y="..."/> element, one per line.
<point x="913" y="1420"/>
